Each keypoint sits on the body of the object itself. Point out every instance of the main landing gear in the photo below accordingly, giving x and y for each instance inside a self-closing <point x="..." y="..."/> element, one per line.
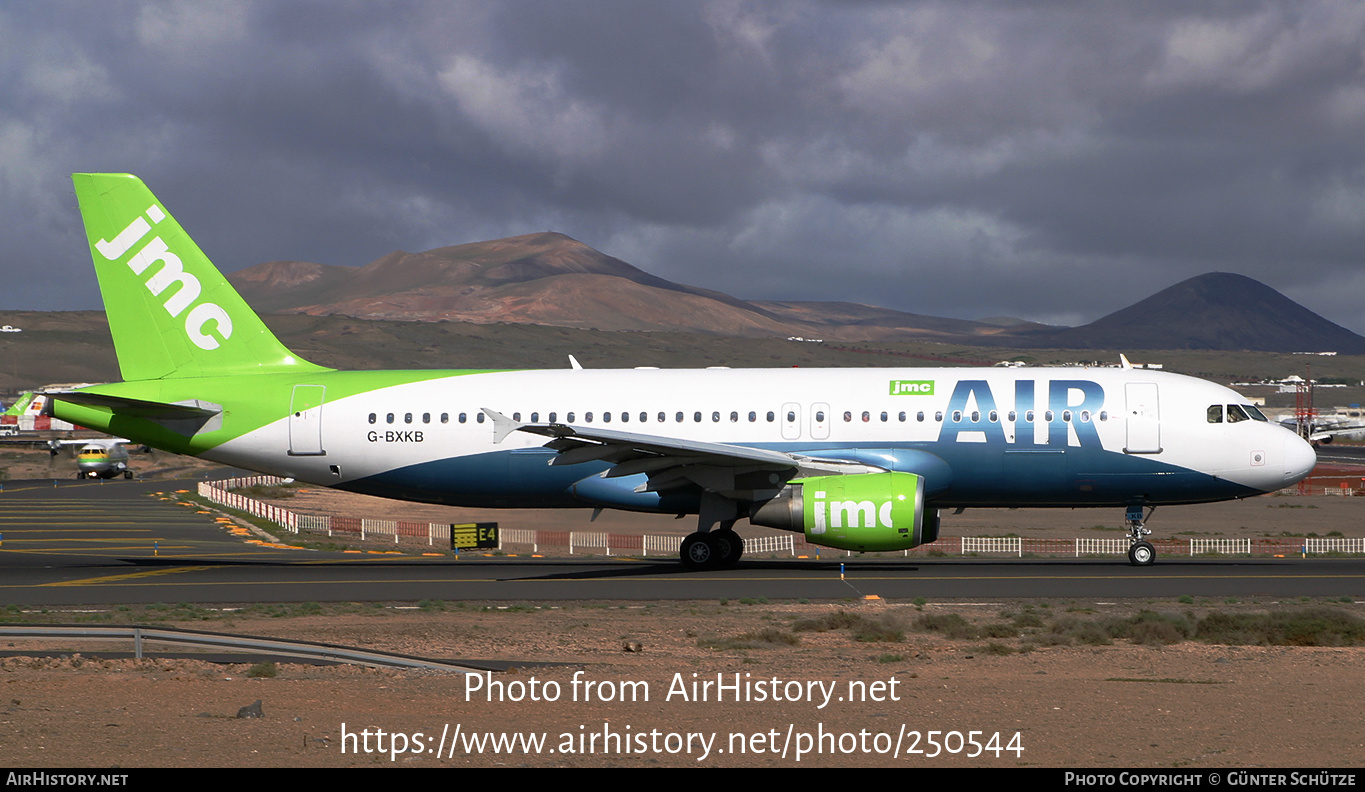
<point x="713" y="549"/>
<point x="1140" y="551"/>
<point x="721" y="548"/>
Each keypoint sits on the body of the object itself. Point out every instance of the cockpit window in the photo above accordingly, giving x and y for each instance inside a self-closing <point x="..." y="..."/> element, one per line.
<point x="1256" y="415"/>
<point x="1237" y="414"/>
<point x="1216" y="413"/>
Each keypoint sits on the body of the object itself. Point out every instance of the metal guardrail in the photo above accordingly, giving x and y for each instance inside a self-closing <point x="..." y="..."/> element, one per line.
<point x="303" y="649"/>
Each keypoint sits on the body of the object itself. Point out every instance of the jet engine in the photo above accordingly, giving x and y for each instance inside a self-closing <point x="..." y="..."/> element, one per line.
<point x="866" y="512"/>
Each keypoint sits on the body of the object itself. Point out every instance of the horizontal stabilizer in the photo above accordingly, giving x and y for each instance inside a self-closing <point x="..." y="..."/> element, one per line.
<point x="140" y="408"/>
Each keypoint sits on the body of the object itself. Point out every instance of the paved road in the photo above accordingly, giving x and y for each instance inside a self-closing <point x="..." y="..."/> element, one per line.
<point x="1335" y="453"/>
<point x="85" y="543"/>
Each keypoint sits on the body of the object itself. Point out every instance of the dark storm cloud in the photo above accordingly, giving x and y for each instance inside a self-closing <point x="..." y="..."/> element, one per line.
<point x="1049" y="160"/>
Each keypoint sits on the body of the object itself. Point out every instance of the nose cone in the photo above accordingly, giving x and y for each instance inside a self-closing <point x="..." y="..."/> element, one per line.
<point x="1299" y="459"/>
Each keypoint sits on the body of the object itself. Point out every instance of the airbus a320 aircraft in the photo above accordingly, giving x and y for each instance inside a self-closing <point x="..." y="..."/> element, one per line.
<point x="858" y="459"/>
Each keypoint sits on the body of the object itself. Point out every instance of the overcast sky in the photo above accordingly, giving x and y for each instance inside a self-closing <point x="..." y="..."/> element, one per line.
<point x="1049" y="160"/>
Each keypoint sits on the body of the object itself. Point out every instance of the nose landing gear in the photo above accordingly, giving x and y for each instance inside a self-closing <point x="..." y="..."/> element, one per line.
<point x="1140" y="552"/>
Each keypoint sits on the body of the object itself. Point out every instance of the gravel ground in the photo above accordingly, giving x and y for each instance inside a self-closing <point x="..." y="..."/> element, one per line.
<point x="1183" y="705"/>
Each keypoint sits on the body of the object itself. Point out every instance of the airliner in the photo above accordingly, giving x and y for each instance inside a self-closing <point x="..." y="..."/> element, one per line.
<point x="857" y="459"/>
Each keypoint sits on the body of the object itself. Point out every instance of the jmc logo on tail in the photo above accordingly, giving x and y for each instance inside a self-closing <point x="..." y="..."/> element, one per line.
<point x="207" y="324"/>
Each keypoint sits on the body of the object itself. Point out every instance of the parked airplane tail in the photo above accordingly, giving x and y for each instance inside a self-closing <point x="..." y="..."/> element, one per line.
<point x="171" y="312"/>
<point x="25" y="405"/>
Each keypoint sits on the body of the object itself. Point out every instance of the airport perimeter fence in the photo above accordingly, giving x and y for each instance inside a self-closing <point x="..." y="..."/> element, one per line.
<point x="793" y="545"/>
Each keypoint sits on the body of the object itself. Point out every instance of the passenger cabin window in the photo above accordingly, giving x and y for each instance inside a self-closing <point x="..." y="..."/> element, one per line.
<point x="478" y="417"/>
<point x="445" y="417"/>
<point x="462" y="417"/>
<point x="373" y="417"/>
<point x="389" y="417"/>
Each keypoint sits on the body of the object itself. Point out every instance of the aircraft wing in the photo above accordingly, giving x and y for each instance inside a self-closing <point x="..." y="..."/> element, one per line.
<point x="670" y="461"/>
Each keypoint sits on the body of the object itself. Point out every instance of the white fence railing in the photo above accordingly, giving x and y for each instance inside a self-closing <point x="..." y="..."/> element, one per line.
<point x="990" y="544"/>
<point x="668" y="544"/>
<point x="1334" y="544"/>
<point x="1220" y="546"/>
<point x="1101" y="546"/>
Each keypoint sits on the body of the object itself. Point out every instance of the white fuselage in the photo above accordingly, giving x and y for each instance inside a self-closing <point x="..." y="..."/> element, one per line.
<point x="1010" y="436"/>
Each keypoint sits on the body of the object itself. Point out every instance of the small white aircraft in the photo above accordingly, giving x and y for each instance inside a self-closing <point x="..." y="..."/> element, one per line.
<point x="1323" y="428"/>
<point x="858" y="459"/>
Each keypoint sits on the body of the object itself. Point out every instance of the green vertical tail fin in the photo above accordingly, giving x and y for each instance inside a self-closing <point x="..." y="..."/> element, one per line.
<point x="20" y="405"/>
<point x="171" y="312"/>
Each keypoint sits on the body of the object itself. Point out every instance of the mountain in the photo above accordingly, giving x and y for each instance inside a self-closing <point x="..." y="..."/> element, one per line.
<point x="1217" y="310"/>
<point x="552" y="279"/>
